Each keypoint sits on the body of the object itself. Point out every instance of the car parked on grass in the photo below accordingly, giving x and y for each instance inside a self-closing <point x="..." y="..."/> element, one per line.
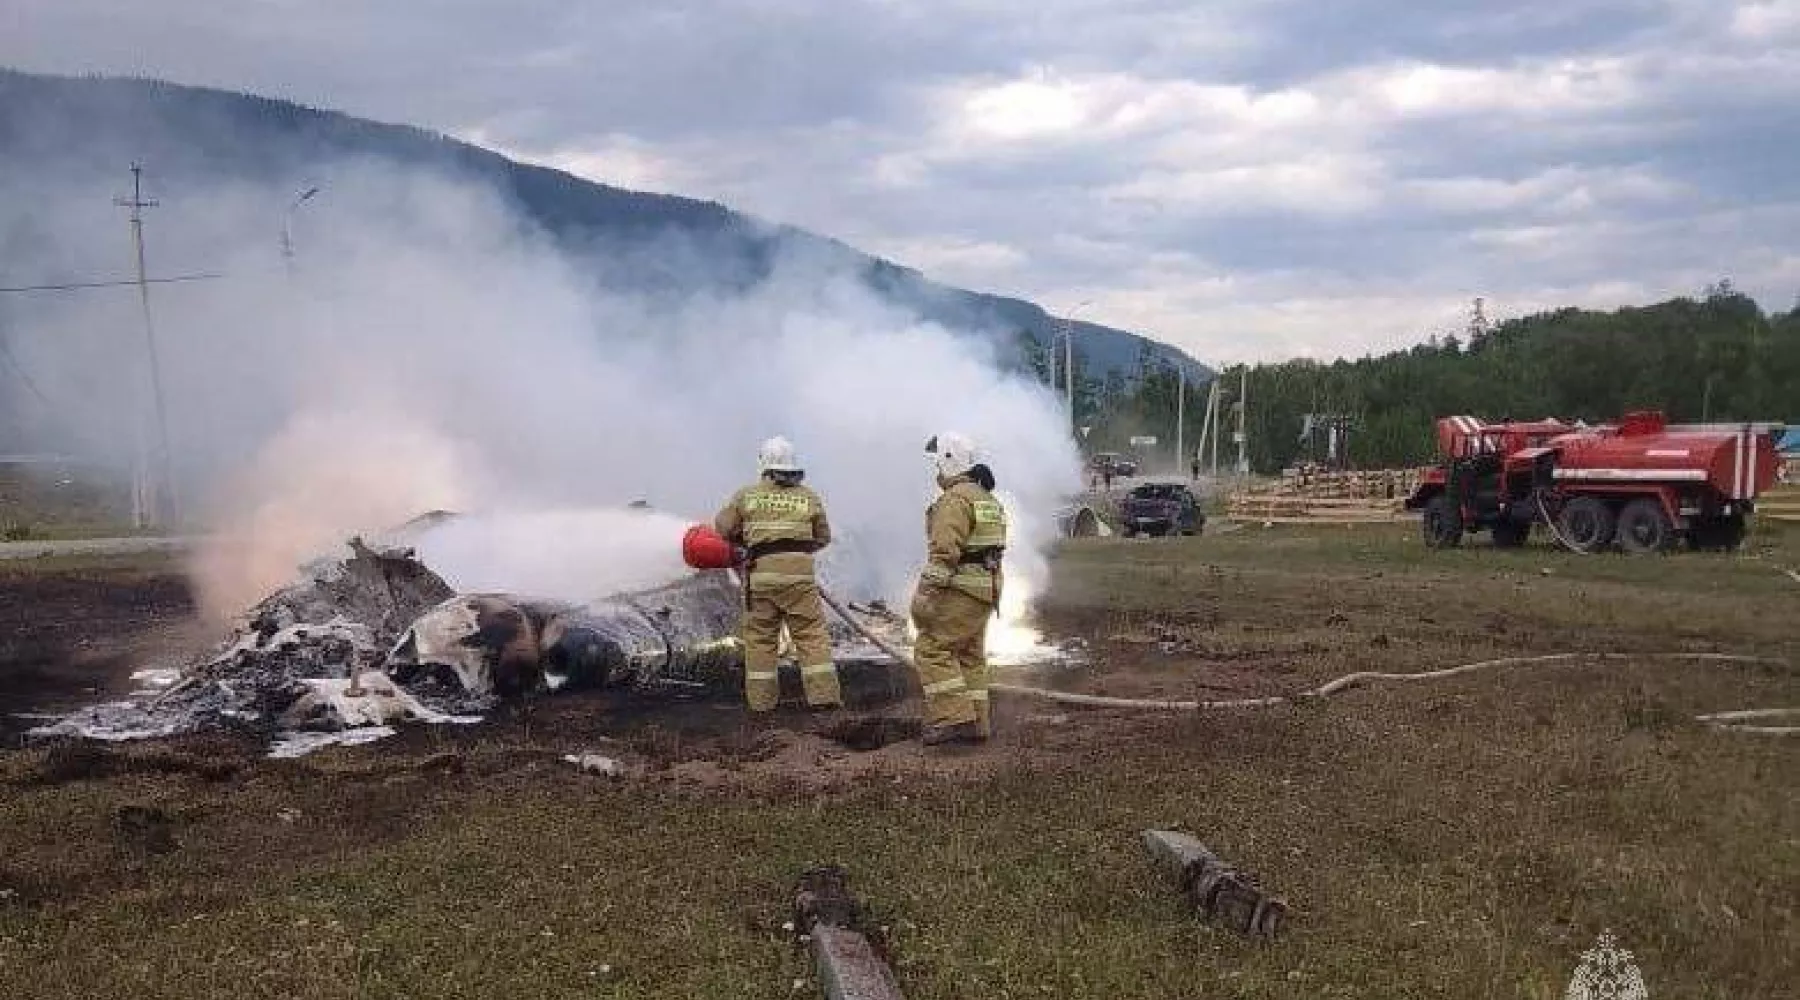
<point x="1118" y="464"/>
<point x="1161" y="509"/>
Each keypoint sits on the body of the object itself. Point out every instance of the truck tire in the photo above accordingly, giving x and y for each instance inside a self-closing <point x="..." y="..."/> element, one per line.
<point x="1511" y="534"/>
<point x="1587" y="523"/>
<point x="1644" y="528"/>
<point x="1441" y="524"/>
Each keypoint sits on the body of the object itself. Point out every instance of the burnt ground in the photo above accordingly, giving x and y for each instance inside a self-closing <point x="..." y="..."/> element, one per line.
<point x="72" y="631"/>
<point x="1468" y="837"/>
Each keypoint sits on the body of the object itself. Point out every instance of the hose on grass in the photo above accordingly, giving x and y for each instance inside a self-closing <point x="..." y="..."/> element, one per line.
<point x="1723" y="720"/>
<point x="1349" y="681"/>
<point x="1735" y="720"/>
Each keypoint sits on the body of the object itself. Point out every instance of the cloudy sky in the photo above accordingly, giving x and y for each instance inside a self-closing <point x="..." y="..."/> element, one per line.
<point x="1244" y="178"/>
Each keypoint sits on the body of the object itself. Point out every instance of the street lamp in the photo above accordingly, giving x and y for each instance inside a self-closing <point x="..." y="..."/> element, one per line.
<point x="287" y="227"/>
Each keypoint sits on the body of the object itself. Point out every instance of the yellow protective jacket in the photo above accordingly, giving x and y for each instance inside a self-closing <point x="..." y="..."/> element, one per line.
<point x="965" y="531"/>
<point x="766" y="513"/>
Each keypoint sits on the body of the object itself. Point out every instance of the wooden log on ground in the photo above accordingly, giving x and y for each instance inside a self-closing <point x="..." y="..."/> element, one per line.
<point x="831" y="921"/>
<point x="1213" y="888"/>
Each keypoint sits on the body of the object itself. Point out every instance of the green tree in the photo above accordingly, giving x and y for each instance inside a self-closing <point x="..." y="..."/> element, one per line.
<point x="1567" y="363"/>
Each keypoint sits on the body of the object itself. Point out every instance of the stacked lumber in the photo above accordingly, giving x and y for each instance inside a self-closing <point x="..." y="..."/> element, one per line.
<point x="1781" y="503"/>
<point x="1272" y="508"/>
<point x="1362" y="484"/>
<point x="1308" y="497"/>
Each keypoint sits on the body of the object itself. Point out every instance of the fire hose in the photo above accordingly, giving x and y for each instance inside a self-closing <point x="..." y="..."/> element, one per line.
<point x="1730" y="720"/>
<point x="1721" y="720"/>
<point x="1556" y="532"/>
<point x="1724" y="720"/>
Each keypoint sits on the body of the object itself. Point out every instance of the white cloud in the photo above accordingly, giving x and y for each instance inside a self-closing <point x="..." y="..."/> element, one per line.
<point x="1024" y="109"/>
<point x="1774" y="20"/>
<point x="1561" y="190"/>
<point x="994" y="263"/>
<point x="1331" y="185"/>
<point x="1530" y="89"/>
<point x="621" y="161"/>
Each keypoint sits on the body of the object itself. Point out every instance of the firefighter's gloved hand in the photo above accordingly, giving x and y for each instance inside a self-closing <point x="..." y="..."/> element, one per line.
<point x="922" y="604"/>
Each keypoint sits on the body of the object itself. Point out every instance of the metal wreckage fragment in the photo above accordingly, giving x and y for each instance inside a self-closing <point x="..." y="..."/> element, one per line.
<point x="680" y="636"/>
<point x="290" y="659"/>
<point x="1214" y="889"/>
<point x="848" y="954"/>
<point x="375" y="637"/>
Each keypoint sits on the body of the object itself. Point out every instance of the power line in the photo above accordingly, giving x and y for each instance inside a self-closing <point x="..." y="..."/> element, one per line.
<point x="110" y="284"/>
<point x="12" y="362"/>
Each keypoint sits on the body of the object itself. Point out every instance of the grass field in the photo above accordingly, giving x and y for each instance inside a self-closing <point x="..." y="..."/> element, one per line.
<point x="1467" y="838"/>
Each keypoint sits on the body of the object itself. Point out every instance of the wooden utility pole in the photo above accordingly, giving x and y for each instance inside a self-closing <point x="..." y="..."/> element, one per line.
<point x="1209" y="434"/>
<point x="145" y="508"/>
<point x="1243" y="404"/>
<point x="1180" y="418"/>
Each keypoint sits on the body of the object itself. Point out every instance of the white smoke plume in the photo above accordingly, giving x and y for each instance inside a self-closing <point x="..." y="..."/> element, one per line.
<point x="429" y="351"/>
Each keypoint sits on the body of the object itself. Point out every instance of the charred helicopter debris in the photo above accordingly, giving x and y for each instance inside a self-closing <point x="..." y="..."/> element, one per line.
<point x="374" y="638"/>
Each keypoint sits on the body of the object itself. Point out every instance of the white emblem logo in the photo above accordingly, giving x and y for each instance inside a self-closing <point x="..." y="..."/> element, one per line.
<point x="1606" y="973"/>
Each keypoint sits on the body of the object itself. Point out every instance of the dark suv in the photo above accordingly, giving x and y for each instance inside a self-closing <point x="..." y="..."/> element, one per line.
<point x="1161" y="509"/>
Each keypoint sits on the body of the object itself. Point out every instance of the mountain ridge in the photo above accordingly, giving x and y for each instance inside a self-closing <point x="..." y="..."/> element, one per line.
<point x="198" y="131"/>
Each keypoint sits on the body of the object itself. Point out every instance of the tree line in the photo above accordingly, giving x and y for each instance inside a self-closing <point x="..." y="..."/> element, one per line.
<point x="1719" y="357"/>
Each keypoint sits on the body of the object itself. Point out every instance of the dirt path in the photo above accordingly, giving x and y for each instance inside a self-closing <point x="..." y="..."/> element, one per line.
<point x="69" y="636"/>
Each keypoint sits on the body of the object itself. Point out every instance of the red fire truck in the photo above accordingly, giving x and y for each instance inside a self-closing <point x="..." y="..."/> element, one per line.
<point x="1641" y="484"/>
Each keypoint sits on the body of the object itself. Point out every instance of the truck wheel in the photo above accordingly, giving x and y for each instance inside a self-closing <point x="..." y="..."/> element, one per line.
<point x="1587" y="523"/>
<point x="1644" y="528"/>
<point x="1511" y="534"/>
<point x="1442" y="523"/>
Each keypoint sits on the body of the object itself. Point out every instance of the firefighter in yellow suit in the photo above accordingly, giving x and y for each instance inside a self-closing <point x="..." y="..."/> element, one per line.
<point x="781" y="523"/>
<point x="958" y="591"/>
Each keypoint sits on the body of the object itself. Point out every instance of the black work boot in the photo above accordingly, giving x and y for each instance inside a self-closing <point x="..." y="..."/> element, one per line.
<point x="958" y="732"/>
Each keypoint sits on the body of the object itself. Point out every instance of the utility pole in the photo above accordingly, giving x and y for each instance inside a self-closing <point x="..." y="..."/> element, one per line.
<point x="147" y="498"/>
<point x="1180" y="418"/>
<point x="1069" y="369"/>
<point x="1243" y="405"/>
<point x="1069" y="361"/>
<point x="1205" y="422"/>
<point x="1209" y="434"/>
<point x="287" y="225"/>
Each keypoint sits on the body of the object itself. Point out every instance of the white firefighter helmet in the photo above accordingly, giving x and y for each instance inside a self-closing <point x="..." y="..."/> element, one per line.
<point x="777" y="455"/>
<point x="953" y="454"/>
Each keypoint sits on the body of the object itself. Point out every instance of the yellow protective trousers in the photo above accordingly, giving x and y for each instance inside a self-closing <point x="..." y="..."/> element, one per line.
<point x="951" y="654"/>
<point x="796" y="605"/>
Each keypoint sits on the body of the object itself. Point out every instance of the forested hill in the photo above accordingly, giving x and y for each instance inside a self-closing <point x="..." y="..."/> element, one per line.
<point x="90" y="128"/>
<point x="1720" y="358"/>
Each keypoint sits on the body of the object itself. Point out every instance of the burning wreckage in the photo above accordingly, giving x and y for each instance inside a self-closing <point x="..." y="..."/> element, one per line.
<point x="364" y="641"/>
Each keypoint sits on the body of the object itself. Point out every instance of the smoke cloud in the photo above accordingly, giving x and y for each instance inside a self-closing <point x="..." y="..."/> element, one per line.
<point x="427" y="350"/>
